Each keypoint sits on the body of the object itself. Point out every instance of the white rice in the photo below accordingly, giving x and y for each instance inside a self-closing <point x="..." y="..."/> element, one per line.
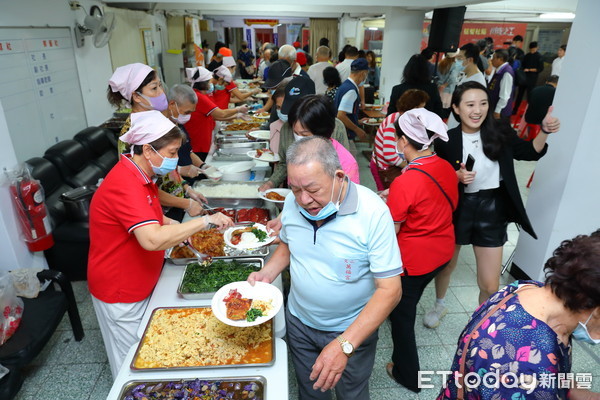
<point x="228" y="190"/>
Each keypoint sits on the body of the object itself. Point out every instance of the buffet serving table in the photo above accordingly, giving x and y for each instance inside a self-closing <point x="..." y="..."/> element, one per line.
<point x="165" y="295"/>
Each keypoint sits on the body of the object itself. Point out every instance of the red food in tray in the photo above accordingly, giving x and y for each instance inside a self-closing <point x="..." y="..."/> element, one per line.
<point x="227" y="211"/>
<point x="260" y="215"/>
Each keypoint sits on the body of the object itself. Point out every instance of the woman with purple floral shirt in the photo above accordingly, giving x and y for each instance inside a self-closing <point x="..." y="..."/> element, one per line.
<point x="517" y="344"/>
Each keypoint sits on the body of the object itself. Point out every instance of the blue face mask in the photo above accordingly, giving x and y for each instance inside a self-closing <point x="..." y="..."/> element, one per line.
<point x="326" y="211"/>
<point x="460" y="67"/>
<point x="582" y="334"/>
<point x="282" y="116"/>
<point x="219" y="87"/>
<point x="167" y="165"/>
<point x="400" y="153"/>
<point x="211" y="88"/>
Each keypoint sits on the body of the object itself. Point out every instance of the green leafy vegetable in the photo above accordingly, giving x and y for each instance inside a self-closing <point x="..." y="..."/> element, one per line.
<point x="260" y="234"/>
<point x="206" y="278"/>
<point x="252" y="314"/>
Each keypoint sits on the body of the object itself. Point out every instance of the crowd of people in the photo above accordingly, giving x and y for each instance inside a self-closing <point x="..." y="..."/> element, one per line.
<point x="355" y="257"/>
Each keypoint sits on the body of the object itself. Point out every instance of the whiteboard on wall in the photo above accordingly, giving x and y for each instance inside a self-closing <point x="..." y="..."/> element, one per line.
<point x="39" y="88"/>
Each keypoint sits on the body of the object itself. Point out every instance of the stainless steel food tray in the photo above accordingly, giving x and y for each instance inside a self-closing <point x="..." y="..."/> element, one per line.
<point x="257" y="261"/>
<point x="229" y="253"/>
<point x="140" y="344"/>
<point x="261" y="381"/>
<point x="235" y="203"/>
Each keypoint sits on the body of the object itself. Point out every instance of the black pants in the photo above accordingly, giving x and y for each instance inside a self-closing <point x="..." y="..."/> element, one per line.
<point x="405" y="355"/>
<point x="531" y="80"/>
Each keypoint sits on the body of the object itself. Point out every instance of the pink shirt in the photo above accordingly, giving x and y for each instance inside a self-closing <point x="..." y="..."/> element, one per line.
<point x="349" y="164"/>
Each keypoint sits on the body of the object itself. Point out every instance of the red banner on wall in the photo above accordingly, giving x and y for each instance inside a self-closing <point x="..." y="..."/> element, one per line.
<point x="270" y="22"/>
<point x="471" y="32"/>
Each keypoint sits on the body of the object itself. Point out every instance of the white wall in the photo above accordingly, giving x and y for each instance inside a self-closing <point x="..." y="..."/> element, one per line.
<point x="93" y="65"/>
<point x="126" y="45"/>
<point x="401" y="39"/>
<point x="13" y="249"/>
<point x="94" y="69"/>
<point x="348" y="33"/>
<point x="565" y="192"/>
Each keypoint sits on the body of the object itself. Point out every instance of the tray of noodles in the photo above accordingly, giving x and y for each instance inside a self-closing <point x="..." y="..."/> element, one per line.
<point x="193" y="338"/>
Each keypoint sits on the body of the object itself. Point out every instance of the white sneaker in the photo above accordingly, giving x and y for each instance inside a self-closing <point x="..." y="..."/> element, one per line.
<point x="432" y="318"/>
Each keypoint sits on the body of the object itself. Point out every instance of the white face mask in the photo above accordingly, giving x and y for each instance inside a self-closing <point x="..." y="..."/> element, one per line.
<point x="297" y="137"/>
<point x="181" y="118"/>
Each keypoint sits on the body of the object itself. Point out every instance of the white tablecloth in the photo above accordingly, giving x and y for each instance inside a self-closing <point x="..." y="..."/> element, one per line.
<point x="165" y="295"/>
<point x="276" y="375"/>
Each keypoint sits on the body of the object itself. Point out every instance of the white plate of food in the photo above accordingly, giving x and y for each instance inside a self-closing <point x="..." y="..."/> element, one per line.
<point x="263" y="155"/>
<point x="274" y="195"/>
<point x="261" y="95"/>
<point x="264" y="115"/>
<point x="244" y="237"/>
<point x="260" y="135"/>
<point x="241" y="304"/>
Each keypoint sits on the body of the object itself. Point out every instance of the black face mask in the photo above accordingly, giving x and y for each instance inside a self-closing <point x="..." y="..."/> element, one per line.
<point x="244" y="47"/>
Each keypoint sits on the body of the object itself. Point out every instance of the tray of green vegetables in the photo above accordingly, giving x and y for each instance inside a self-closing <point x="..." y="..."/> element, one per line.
<point x="202" y="279"/>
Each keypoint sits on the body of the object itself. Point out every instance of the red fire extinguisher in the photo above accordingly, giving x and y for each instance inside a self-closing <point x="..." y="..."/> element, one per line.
<point x="28" y="197"/>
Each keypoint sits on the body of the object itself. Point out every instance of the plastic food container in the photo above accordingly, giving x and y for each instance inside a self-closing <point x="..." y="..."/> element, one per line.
<point x="239" y="171"/>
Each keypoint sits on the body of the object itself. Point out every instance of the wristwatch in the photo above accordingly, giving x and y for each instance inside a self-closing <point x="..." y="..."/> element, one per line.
<point x="347" y="347"/>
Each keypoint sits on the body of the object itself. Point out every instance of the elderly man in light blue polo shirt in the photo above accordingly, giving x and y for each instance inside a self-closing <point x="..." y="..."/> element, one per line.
<point x="338" y="239"/>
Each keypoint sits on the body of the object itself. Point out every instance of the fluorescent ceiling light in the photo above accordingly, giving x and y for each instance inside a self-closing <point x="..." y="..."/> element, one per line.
<point x="557" y="16"/>
<point x="373" y="28"/>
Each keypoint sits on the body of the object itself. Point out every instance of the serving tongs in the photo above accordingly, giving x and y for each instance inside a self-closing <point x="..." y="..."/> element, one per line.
<point x="196" y="253"/>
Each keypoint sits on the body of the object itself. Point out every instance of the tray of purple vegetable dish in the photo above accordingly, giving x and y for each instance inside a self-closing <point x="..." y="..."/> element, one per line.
<point x="237" y="388"/>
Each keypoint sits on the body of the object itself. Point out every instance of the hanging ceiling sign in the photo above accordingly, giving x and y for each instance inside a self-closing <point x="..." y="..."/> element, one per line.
<point x="270" y="22"/>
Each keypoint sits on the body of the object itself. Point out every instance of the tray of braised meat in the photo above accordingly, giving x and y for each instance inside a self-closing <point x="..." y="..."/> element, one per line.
<point x="211" y="243"/>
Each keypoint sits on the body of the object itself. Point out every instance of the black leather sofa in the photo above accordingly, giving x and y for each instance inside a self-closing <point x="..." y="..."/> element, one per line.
<point x="41" y="317"/>
<point x="66" y="165"/>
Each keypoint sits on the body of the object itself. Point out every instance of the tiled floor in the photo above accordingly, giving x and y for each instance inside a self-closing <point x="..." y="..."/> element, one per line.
<point x="70" y="370"/>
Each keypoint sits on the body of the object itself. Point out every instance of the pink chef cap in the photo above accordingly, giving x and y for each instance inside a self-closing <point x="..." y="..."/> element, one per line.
<point x="146" y="127"/>
<point x="204" y="74"/>
<point x="224" y="73"/>
<point x="128" y="78"/>
<point x="415" y="122"/>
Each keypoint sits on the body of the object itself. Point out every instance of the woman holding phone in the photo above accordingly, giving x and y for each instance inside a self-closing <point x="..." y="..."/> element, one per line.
<point x="489" y="196"/>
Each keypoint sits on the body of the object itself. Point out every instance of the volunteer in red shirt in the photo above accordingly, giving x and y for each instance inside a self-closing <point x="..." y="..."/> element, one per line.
<point x="421" y="202"/>
<point x="202" y="124"/>
<point x="235" y="95"/>
<point x="128" y="232"/>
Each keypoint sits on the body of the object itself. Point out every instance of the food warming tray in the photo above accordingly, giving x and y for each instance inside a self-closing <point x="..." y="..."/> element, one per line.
<point x="251" y="365"/>
<point x="260" y="381"/>
<point x="235" y="203"/>
<point x="256" y="261"/>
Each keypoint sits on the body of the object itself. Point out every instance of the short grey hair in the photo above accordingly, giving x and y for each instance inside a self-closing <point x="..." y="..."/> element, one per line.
<point x="323" y="51"/>
<point x="287" y="52"/>
<point x="182" y="93"/>
<point x="314" y="149"/>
